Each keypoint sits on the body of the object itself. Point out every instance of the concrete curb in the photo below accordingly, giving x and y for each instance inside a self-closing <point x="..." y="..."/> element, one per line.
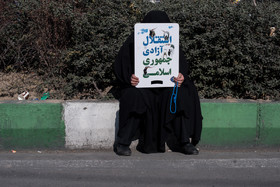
<point x="93" y="125"/>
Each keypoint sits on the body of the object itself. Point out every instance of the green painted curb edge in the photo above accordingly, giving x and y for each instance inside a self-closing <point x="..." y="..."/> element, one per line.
<point x="269" y="124"/>
<point x="240" y="123"/>
<point x="31" y="125"/>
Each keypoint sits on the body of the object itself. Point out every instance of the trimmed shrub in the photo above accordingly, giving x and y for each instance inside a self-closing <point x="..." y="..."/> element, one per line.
<point x="74" y="43"/>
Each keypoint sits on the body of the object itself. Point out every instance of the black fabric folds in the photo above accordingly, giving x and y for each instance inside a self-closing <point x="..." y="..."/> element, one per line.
<point x="144" y="112"/>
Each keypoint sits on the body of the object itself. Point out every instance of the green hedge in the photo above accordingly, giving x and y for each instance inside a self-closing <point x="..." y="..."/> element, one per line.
<point x="74" y="43"/>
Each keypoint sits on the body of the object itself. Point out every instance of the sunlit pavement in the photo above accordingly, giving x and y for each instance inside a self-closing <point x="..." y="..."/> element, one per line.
<point x="212" y="167"/>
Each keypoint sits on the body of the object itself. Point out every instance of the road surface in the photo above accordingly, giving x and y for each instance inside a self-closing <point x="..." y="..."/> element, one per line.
<point x="105" y="168"/>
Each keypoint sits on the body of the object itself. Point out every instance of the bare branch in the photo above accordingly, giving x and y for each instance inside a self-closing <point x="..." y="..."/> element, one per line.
<point x="254" y="1"/>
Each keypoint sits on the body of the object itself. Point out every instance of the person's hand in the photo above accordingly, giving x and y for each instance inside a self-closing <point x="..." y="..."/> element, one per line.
<point x="134" y="80"/>
<point x="180" y="79"/>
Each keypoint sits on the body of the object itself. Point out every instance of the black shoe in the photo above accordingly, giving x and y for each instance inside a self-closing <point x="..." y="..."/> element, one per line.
<point x="123" y="150"/>
<point x="189" y="149"/>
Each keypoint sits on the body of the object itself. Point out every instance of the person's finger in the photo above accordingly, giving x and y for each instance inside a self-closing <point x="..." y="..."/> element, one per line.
<point x="134" y="77"/>
<point x="134" y="84"/>
<point x="180" y="83"/>
<point x="180" y="76"/>
<point x="134" y="81"/>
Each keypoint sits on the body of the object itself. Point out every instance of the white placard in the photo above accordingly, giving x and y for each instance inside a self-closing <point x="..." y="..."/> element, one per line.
<point x="156" y="54"/>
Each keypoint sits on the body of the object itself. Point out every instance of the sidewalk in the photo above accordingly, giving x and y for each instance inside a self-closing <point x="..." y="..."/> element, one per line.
<point x="92" y="125"/>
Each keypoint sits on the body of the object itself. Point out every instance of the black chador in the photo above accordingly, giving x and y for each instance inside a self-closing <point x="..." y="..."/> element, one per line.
<point x="145" y="112"/>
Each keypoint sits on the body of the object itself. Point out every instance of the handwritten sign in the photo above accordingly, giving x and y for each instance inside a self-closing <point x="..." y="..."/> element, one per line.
<point x="156" y="54"/>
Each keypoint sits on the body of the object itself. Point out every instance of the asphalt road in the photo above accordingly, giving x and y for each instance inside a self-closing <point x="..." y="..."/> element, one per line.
<point x="105" y="168"/>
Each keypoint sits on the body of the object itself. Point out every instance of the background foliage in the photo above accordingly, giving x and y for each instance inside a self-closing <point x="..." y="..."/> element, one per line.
<point x="73" y="44"/>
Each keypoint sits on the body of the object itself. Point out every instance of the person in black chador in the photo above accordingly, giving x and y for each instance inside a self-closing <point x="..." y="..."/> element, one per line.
<point x="145" y="113"/>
